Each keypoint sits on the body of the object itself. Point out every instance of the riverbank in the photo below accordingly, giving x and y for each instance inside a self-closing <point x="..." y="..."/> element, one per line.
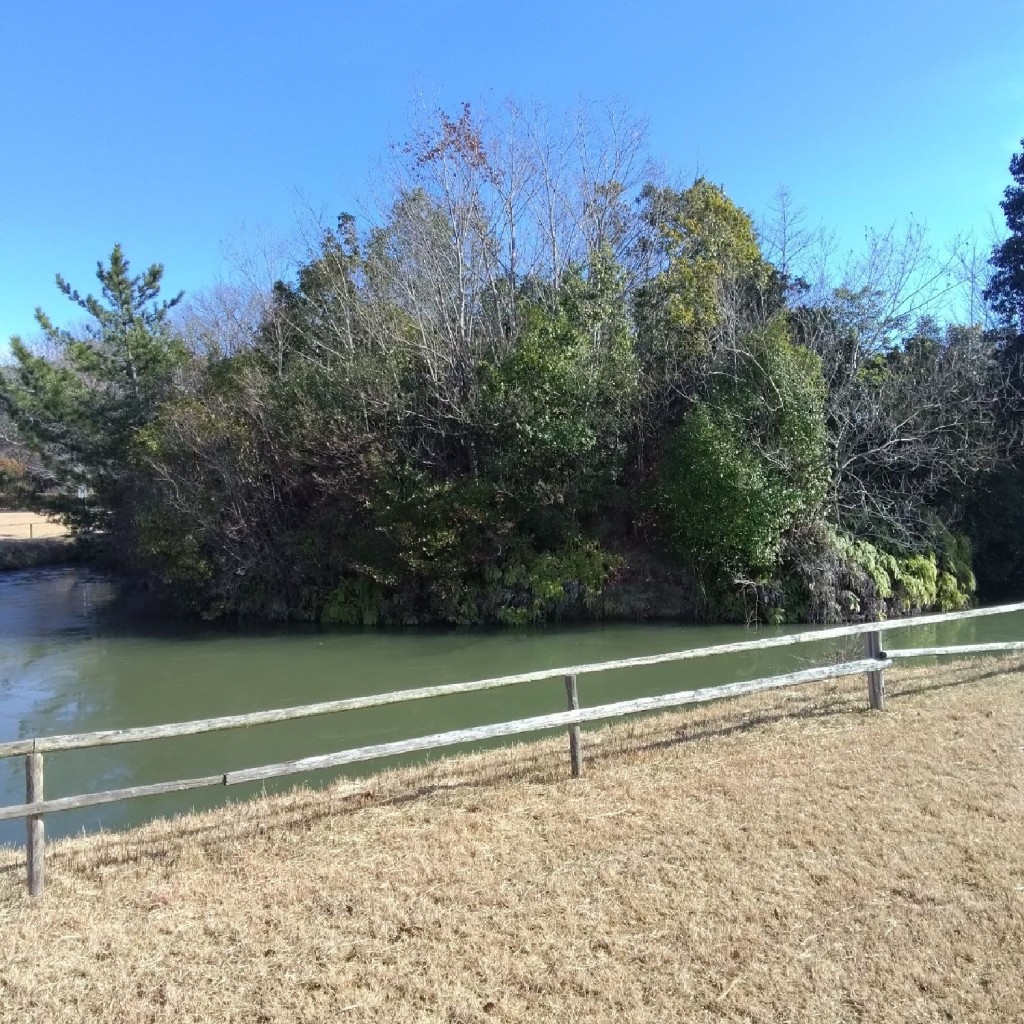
<point x="31" y="541"/>
<point x="38" y="554"/>
<point x="785" y="856"/>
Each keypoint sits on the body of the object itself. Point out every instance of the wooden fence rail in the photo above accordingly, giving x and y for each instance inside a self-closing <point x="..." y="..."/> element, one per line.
<point x="109" y="737"/>
<point x="5" y="529"/>
<point x="872" y="666"/>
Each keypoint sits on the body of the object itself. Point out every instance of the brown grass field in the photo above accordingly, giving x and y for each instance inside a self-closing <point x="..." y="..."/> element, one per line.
<point x="786" y="857"/>
<point x="15" y="526"/>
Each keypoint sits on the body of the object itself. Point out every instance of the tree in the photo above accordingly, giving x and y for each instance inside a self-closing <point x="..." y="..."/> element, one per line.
<point x="434" y="409"/>
<point x="15" y="473"/>
<point x="912" y="407"/>
<point x="709" y="287"/>
<point x="1006" y="288"/>
<point x="556" y="411"/>
<point x="996" y="511"/>
<point x="525" y="369"/>
<point x="749" y="461"/>
<point x="1005" y="291"/>
<point x="79" y="411"/>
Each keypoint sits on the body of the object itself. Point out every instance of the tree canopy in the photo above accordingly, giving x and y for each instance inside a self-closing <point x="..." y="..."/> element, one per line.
<point x="539" y="377"/>
<point x="79" y="408"/>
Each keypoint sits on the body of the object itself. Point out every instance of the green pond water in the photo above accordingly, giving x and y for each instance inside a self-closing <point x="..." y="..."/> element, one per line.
<point x="70" y="663"/>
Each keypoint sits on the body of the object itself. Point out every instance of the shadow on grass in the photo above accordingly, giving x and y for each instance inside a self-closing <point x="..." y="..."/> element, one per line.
<point x="981" y="676"/>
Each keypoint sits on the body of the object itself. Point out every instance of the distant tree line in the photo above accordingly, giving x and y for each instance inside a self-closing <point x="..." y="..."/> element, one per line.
<point x="544" y="382"/>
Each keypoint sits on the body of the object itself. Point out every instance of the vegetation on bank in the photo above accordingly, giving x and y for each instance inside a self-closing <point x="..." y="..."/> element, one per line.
<point x="783" y="856"/>
<point x="35" y="554"/>
<point x="536" y="381"/>
<point x="29" y="541"/>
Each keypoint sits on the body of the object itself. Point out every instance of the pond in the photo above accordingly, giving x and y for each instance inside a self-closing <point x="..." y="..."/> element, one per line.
<point x="70" y="662"/>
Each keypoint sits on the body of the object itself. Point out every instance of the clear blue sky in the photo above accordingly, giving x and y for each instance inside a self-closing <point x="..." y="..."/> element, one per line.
<point x="171" y="127"/>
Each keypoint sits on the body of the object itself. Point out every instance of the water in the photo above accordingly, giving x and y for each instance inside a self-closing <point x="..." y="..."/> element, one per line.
<point x="68" y="663"/>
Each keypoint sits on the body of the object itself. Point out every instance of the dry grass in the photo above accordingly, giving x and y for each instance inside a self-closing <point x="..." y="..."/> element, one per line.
<point x="16" y="526"/>
<point x="786" y="857"/>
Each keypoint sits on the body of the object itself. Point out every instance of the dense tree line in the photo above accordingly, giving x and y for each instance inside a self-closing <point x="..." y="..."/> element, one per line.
<point x="544" y="382"/>
<point x="995" y="514"/>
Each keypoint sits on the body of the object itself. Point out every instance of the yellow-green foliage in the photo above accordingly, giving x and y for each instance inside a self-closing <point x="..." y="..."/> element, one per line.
<point x="915" y="582"/>
<point x="882" y="567"/>
<point x="553" y="581"/>
<point x="918" y="579"/>
<point x="525" y="589"/>
<point x="711" y="259"/>
<point x="948" y="595"/>
<point x="709" y="240"/>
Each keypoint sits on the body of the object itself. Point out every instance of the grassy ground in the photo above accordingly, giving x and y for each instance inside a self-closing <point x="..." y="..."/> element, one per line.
<point x="45" y="543"/>
<point x="28" y="525"/>
<point x="782" y="857"/>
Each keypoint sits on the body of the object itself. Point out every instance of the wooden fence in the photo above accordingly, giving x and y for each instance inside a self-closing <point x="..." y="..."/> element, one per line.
<point x="11" y="526"/>
<point x="38" y="529"/>
<point x="872" y="666"/>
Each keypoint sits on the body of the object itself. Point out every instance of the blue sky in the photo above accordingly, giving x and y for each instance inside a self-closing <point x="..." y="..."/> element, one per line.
<point x="174" y="128"/>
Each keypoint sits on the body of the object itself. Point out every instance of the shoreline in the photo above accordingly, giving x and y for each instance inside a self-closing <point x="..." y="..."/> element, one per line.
<point x="42" y="552"/>
<point x="71" y="552"/>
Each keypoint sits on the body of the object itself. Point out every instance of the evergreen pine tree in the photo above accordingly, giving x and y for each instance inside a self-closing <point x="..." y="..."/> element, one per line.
<point x="79" y="410"/>
<point x="1006" y="289"/>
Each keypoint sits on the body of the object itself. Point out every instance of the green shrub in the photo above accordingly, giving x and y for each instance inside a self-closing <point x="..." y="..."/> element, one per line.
<point x="748" y="462"/>
<point x="354" y="602"/>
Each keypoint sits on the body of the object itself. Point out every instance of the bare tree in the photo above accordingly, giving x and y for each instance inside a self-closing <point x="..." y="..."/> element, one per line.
<point x="802" y="253"/>
<point x="223" y="320"/>
<point x="909" y="422"/>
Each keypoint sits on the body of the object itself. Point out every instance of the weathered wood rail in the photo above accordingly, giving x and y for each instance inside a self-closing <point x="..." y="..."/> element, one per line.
<point x="872" y="665"/>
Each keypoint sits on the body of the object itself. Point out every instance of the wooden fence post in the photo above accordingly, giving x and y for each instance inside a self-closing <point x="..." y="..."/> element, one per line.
<point x="575" y="753"/>
<point x="35" y="837"/>
<point x="876" y="679"/>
